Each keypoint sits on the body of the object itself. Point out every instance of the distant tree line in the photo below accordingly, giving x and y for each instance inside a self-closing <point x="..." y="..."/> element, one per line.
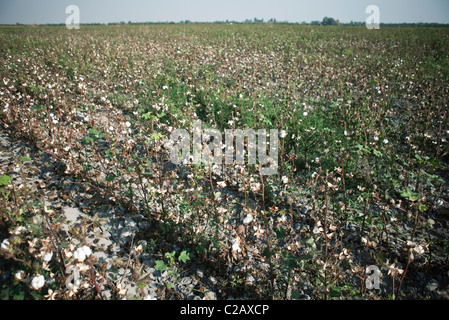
<point x="327" y="21"/>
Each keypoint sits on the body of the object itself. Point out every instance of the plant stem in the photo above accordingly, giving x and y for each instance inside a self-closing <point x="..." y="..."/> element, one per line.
<point x="267" y="234"/>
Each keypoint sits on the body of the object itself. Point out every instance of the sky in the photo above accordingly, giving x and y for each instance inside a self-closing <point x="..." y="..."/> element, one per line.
<point x="104" y="11"/>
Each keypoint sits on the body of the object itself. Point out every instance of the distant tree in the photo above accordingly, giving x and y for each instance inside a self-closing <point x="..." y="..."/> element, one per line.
<point x="328" y="21"/>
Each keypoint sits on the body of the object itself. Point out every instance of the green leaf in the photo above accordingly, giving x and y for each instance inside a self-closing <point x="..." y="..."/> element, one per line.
<point x="266" y="252"/>
<point x="170" y="255"/>
<point x="156" y="135"/>
<point x="19" y="296"/>
<point x="109" y="153"/>
<point x="25" y="159"/>
<point x="88" y="140"/>
<point x="422" y="207"/>
<point x="94" y="132"/>
<point x="377" y="153"/>
<point x="280" y="232"/>
<point x="110" y="177"/>
<point x="380" y="257"/>
<point x="410" y="195"/>
<point x="311" y="243"/>
<point x="289" y="260"/>
<point x="160" y="265"/>
<point x="184" y="256"/>
<point x="4" y="180"/>
<point x="335" y="293"/>
<point x="148" y="115"/>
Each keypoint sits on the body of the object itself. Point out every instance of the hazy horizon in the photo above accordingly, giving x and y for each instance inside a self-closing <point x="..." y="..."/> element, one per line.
<point x="102" y="11"/>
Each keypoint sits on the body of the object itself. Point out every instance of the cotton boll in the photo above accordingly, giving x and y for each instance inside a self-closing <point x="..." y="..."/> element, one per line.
<point x="38" y="282"/>
<point x="248" y="219"/>
<point x="5" y="244"/>
<point x="87" y="251"/>
<point x="82" y="253"/>
<point x="236" y="245"/>
<point x="47" y="256"/>
<point x="19" y="275"/>
<point x="283" y="134"/>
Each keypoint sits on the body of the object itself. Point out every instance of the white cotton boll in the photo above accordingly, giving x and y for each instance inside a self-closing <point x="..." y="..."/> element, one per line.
<point x="283" y="134"/>
<point x="5" y="244"/>
<point x="38" y="282"/>
<point x="284" y="179"/>
<point x="79" y="255"/>
<point x="221" y="184"/>
<point x="317" y="229"/>
<point x="248" y="219"/>
<point x="87" y="250"/>
<point x="128" y="124"/>
<point x="236" y="245"/>
<point x="282" y="218"/>
<point x="19" y="275"/>
<point x="419" y="250"/>
<point x="47" y="257"/>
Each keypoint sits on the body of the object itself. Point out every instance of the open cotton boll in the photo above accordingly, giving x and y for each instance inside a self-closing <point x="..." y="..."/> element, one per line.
<point x="47" y="256"/>
<point x="87" y="250"/>
<point x="79" y="255"/>
<point x="283" y="134"/>
<point x="38" y="282"/>
<point x="248" y="219"/>
<point x="82" y="253"/>
<point x="236" y="245"/>
<point x="5" y="244"/>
